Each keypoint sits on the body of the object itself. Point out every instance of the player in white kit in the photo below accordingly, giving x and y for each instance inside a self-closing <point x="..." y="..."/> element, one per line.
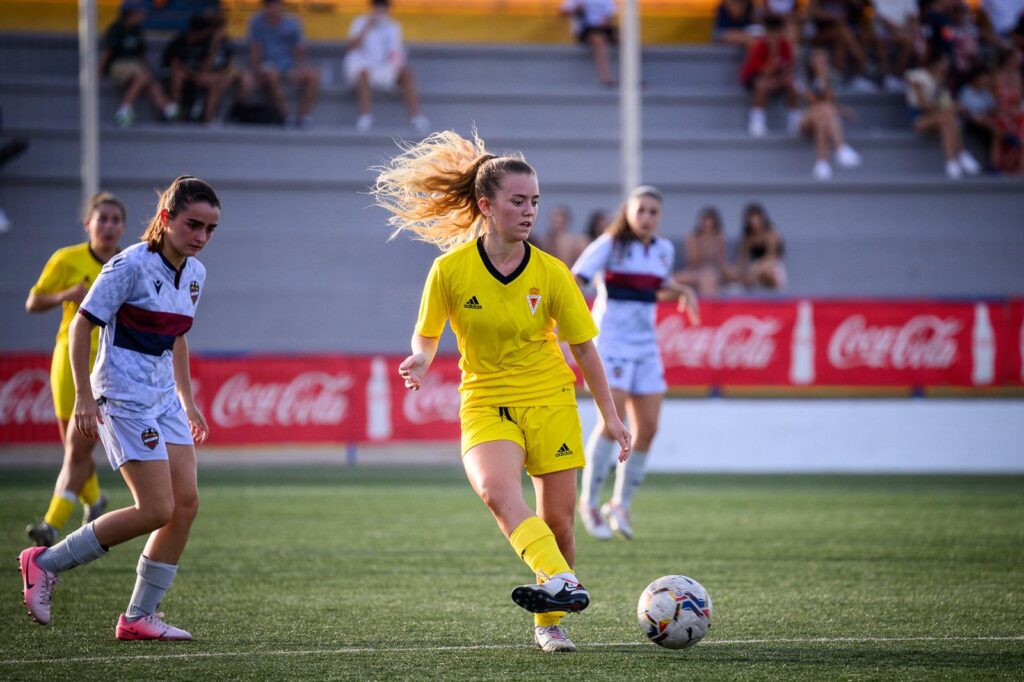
<point x="139" y="404"/>
<point x="635" y="268"/>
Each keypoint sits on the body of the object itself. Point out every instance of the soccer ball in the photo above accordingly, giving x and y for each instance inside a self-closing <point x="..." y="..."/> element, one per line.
<point x="674" y="611"/>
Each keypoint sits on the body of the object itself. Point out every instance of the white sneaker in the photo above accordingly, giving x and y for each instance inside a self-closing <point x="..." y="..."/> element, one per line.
<point x="594" y="523"/>
<point x="170" y="111"/>
<point x="552" y="639"/>
<point x="894" y="84"/>
<point x="847" y="157"/>
<point x="793" y="121"/>
<point x="968" y="163"/>
<point x="124" y="116"/>
<point x="420" y="123"/>
<point x="953" y="170"/>
<point x="364" y="123"/>
<point x="822" y="170"/>
<point x="862" y="85"/>
<point x="618" y="519"/>
<point x="757" y="126"/>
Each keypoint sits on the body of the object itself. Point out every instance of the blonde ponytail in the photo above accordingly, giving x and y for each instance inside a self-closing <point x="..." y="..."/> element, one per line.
<point x="431" y="188"/>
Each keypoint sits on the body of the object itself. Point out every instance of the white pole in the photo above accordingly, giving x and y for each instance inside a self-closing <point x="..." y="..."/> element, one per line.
<point x="88" y="85"/>
<point x="629" y="97"/>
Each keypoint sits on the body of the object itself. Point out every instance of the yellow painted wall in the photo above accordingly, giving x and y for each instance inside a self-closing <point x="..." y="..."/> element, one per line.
<point x="423" y="21"/>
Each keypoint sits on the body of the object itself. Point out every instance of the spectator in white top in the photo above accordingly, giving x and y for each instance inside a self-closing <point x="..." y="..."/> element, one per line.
<point x="1003" y="15"/>
<point x="376" y="59"/>
<point x="593" y="24"/>
<point x="277" y="53"/>
<point x="897" y="25"/>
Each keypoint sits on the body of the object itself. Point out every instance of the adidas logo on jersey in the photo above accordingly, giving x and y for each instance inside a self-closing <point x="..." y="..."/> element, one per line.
<point x="473" y="304"/>
<point x="563" y="451"/>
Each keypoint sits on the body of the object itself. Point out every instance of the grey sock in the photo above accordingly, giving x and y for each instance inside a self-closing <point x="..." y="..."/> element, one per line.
<point x="154" y="580"/>
<point x="599" y="459"/>
<point x="628" y="477"/>
<point x="76" y="549"/>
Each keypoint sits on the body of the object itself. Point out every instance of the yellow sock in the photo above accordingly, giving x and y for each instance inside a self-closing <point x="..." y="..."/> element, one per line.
<point x="90" y="493"/>
<point x="60" y="510"/>
<point x="535" y="544"/>
<point x="545" y="619"/>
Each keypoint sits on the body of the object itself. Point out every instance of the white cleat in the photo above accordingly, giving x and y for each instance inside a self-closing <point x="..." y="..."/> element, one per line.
<point x="594" y="523"/>
<point x="149" y="627"/>
<point x="552" y="639"/>
<point x="618" y="520"/>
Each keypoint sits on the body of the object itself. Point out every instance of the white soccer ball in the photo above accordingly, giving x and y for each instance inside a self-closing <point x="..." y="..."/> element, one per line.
<point x="674" y="611"/>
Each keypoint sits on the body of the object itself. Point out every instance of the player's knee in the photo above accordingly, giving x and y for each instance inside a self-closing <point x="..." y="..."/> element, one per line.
<point x="156" y="513"/>
<point x="186" y="508"/>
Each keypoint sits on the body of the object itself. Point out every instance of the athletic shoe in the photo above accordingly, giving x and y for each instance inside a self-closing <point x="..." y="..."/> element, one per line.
<point x="847" y="157"/>
<point x="420" y="123"/>
<point x="94" y="511"/>
<point x="953" y="170"/>
<point x="124" y="116"/>
<point x="968" y="163"/>
<point x="556" y="594"/>
<point x="894" y="84"/>
<point x="38" y="584"/>
<point x="594" y="523"/>
<point x="822" y="170"/>
<point x="618" y="519"/>
<point x="757" y="125"/>
<point x="42" y="534"/>
<point x="364" y="123"/>
<point x="552" y="639"/>
<point x="149" y="627"/>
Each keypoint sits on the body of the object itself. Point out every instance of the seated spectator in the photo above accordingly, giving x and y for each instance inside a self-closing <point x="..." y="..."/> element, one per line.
<point x="790" y="14"/>
<point x="706" y="266"/>
<point x="559" y="240"/>
<point x="830" y="21"/>
<point x="965" y="55"/>
<point x="897" y="24"/>
<point x="376" y="59"/>
<point x="277" y="54"/>
<point x="1009" y="118"/>
<point x="189" y="59"/>
<point x="823" y="119"/>
<point x="593" y="24"/>
<point x="767" y="70"/>
<point x="123" y="59"/>
<point x="977" y="106"/>
<point x="597" y="223"/>
<point x="759" y="261"/>
<point x="932" y="110"/>
<point x="735" y="23"/>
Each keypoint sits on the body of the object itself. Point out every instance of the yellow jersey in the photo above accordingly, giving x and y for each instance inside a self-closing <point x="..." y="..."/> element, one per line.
<point x="66" y="268"/>
<point x="505" y="325"/>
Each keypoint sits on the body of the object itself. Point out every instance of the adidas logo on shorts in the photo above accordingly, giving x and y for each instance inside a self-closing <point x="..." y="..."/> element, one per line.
<point x="563" y="451"/>
<point x="473" y="304"/>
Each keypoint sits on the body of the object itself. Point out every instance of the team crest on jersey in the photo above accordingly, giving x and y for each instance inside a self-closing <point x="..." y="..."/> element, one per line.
<point x="150" y="438"/>
<point x="193" y="289"/>
<point x="533" y="298"/>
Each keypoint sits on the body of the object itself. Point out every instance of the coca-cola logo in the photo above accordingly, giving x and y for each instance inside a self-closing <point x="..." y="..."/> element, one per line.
<point x="437" y="400"/>
<point x="309" y="398"/>
<point x="742" y="341"/>
<point x="25" y="398"/>
<point x="923" y="342"/>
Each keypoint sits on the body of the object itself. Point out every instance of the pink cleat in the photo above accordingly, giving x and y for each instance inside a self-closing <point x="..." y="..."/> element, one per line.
<point x="149" y="627"/>
<point x="38" y="585"/>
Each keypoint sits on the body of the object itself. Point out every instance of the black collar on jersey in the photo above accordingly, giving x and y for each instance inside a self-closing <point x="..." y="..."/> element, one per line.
<point x="504" y="279"/>
<point x="96" y="258"/>
<point x="176" y="271"/>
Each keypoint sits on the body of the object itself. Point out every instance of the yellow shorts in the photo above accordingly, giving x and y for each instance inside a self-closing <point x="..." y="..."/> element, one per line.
<point x="62" y="382"/>
<point x="552" y="437"/>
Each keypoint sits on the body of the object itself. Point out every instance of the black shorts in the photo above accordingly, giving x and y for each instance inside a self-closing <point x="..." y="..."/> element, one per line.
<point x="608" y="32"/>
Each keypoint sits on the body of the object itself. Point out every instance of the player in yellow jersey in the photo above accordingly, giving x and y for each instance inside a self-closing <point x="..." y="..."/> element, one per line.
<point x="64" y="281"/>
<point x="504" y="300"/>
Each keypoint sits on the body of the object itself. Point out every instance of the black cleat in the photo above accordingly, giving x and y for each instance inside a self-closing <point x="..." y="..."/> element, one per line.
<point x="94" y="511"/>
<point x="41" y="534"/>
<point x="544" y="598"/>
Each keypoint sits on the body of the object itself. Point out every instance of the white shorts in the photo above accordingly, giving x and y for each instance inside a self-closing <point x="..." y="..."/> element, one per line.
<point x="635" y="376"/>
<point x="382" y="76"/>
<point x="127" y="439"/>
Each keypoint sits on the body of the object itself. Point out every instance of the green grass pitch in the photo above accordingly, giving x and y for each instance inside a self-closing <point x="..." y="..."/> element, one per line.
<point x="400" y="573"/>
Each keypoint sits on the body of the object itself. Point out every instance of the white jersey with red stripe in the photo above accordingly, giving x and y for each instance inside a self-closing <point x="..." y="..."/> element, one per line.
<point x="628" y="277"/>
<point x="143" y="303"/>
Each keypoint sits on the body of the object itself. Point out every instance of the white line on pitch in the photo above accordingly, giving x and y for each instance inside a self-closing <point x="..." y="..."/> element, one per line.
<point x="487" y="647"/>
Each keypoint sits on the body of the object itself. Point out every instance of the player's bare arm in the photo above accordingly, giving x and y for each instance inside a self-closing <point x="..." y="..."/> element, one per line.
<point x="87" y="412"/>
<point x="414" y="368"/>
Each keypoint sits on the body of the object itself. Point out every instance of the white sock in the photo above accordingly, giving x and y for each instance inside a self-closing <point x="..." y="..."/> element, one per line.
<point x="599" y="459"/>
<point x="628" y="477"/>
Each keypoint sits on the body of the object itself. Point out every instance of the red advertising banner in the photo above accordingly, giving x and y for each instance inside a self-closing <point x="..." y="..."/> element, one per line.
<point x="825" y="344"/>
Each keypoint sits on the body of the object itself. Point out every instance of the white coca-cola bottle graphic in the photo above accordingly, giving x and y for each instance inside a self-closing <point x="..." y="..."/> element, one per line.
<point x="801" y="367"/>
<point x="983" y="347"/>
<point x="378" y="401"/>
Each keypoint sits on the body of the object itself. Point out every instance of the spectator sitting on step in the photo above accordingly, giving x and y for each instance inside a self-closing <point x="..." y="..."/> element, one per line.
<point x="277" y="54"/>
<point x="597" y="223"/>
<point x="932" y="110"/>
<point x="1009" y="118"/>
<point x="707" y="268"/>
<point x="736" y="23"/>
<point x="759" y="261"/>
<point x="593" y="24"/>
<point x="559" y="240"/>
<point x="823" y="119"/>
<point x="123" y="59"/>
<point x="897" y="25"/>
<point x="767" y="70"/>
<point x="376" y="58"/>
<point x="189" y="59"/>
<point x="835" y="25"/>
<point x="977" y="106"/>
